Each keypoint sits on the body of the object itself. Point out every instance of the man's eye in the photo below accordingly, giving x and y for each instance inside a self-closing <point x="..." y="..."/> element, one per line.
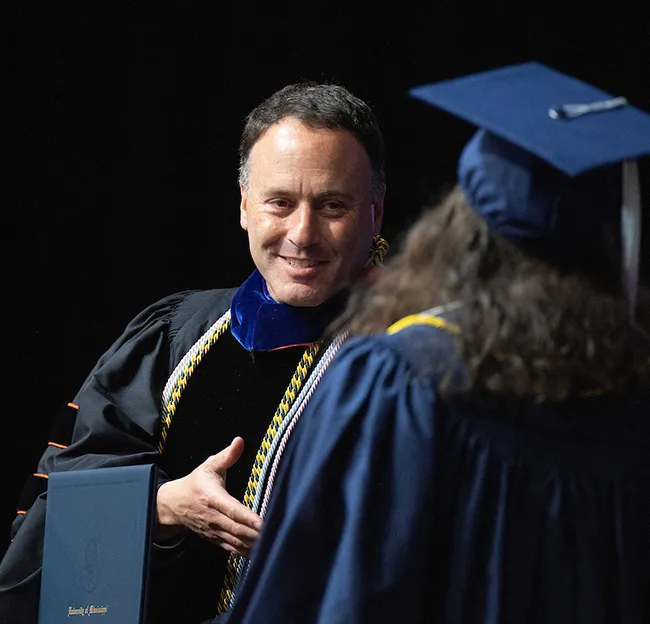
<point x="279" y="203"/>
<point x="333" y="206"/>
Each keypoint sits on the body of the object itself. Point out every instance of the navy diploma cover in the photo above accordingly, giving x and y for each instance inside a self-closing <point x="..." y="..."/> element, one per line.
<point x="98" y="538"/>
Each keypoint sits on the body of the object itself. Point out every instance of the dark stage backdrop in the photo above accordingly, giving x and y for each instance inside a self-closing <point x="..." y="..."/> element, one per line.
<point x="128" y="129"/>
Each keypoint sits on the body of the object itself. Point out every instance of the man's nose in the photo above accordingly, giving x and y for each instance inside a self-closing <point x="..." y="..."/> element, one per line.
<point x="303" y="226"/>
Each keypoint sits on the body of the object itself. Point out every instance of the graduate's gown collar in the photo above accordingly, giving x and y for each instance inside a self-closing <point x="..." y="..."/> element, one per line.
<point x="259" y="323"/>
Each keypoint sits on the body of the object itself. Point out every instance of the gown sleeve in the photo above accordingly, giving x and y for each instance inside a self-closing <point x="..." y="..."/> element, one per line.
<point x="347" y="533"/>
<point x="116" y="424"/>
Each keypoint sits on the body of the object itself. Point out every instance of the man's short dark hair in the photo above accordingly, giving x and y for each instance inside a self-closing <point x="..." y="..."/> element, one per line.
<point x="317" y="105"/>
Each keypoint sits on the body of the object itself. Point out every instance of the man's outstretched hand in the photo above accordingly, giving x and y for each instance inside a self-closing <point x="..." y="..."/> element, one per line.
<point x="201" y="503"/>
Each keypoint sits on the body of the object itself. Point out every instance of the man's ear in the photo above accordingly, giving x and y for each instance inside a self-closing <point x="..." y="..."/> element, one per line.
<point x="243" y="215"/>
<point x="377" y="214"/>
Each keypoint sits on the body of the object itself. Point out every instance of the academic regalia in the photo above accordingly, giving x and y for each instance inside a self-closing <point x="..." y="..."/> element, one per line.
<point x="233" y="388"/>
<point x="396" y="504"/>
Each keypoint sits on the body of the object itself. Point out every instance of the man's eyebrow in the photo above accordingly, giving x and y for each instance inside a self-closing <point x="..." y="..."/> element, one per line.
<point x="323" y="195"/>
<point x="333" y="194"/>
<point x="276" y="191"/>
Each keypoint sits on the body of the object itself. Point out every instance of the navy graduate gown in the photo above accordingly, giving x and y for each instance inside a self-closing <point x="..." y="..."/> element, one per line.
<point x="394" y="505"/>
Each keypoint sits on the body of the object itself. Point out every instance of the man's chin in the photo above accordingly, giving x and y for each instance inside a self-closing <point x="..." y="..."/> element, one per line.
<point x="304" y="302"/>
<point x="301" y="296"/>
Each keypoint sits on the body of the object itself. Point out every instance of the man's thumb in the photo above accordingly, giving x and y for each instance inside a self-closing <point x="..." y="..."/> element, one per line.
<point x="227" y="457"/>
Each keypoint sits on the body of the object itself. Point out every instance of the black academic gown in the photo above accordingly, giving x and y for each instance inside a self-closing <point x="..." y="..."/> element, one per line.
<point x="234" y="391"/>
<point x="395" y="505"/>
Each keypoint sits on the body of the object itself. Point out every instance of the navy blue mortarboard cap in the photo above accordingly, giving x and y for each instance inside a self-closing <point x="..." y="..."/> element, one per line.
<point x="545" y="166"/>
<point x="515" y="103"/>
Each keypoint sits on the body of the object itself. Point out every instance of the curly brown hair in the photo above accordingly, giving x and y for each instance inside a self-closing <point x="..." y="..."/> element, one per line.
<point x="529" y="329"/>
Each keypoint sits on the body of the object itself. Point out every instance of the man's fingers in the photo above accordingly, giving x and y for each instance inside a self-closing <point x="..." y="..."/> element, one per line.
<point x="239" y="514"/>
<point x="229" y="542"/>
<point x="227" y="536"/>
<point x="240" y="532"/>
<point x="219" y="528"/>
<point x="229" y="548"/>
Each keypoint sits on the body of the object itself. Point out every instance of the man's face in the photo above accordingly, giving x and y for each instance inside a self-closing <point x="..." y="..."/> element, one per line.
<point x="309" y="211"/>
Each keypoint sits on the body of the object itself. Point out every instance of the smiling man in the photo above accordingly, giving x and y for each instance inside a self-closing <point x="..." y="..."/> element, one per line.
<point x="310" y="209"/>
<point x="198" y="373"/>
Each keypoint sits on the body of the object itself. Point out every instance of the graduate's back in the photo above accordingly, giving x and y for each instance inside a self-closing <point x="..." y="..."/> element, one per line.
<point x="398" y="505"/>
<point x="539" y="512"/>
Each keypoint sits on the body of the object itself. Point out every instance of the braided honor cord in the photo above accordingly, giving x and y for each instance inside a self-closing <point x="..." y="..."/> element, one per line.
<point x="280" y="442"/>
<point x="177" y="381"/>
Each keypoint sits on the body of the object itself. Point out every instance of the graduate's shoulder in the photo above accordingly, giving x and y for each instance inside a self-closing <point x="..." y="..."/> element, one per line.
<point x="414" y="344"/>
<point x="423" y="340"/>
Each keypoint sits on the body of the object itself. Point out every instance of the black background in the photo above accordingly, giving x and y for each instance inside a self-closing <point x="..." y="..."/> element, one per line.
<point x="127" y="125"/>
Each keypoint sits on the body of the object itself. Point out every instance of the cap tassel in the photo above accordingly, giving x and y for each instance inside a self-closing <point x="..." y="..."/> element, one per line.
<point x="631" y="234"/>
